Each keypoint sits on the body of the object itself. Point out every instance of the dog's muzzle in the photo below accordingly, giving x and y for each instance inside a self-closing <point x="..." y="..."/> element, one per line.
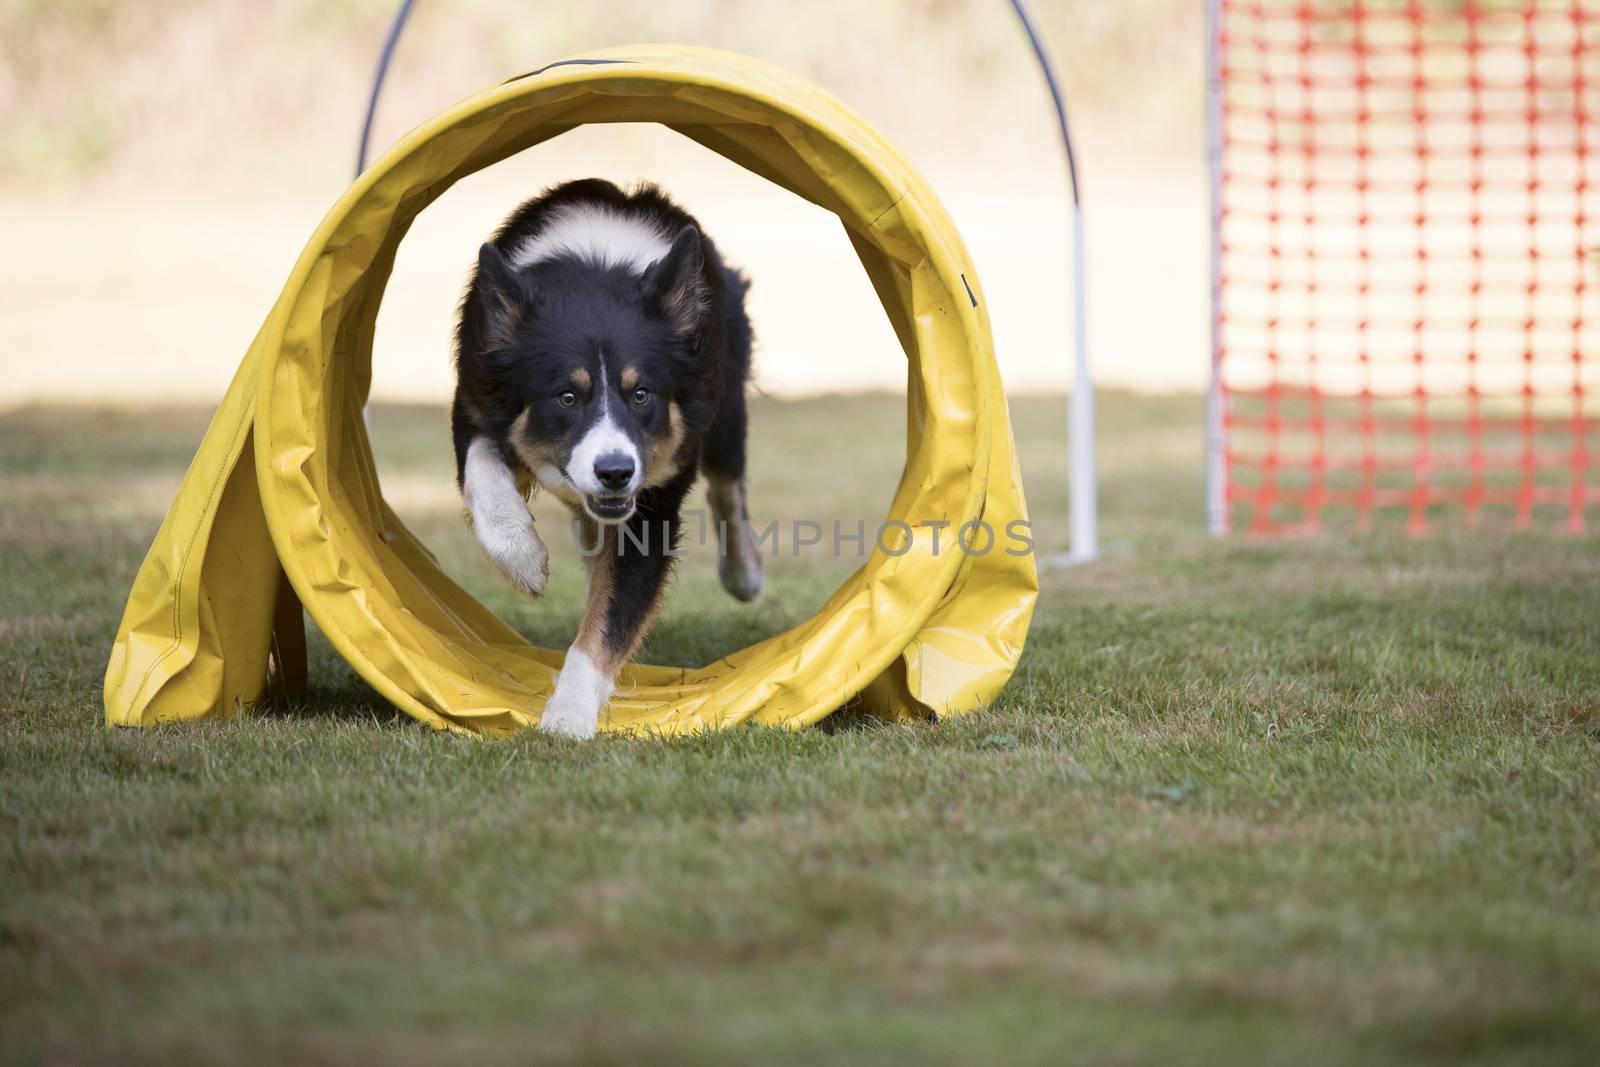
<point x="609" y="508"/>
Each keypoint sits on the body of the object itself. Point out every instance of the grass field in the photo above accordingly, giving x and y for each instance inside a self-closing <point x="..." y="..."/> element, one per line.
<point x="1334" y="801"/>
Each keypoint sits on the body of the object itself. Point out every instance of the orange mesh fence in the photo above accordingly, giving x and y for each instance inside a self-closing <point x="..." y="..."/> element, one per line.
<point x="1408" y="257"/>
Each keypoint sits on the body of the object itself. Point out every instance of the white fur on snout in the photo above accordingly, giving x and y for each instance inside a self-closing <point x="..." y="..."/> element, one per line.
<point x="582" y="690"/>
<point x="549" y="476"/>
<point x="500" y="519"/>
<point x="603" y="438"/>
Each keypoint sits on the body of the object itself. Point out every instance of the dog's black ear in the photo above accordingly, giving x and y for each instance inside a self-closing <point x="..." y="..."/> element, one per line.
<point x="502" y="293"/>
<point x="675" y="285"/>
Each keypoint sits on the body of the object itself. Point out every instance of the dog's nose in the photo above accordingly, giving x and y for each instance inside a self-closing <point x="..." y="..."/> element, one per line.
<point x="615" y="470"/>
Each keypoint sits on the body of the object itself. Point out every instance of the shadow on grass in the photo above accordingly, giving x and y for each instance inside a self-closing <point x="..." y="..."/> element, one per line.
<point x="335" y="691"/>
<point x="351" y="700"/>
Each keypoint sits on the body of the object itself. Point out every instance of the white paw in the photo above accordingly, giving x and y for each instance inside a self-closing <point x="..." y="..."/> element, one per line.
<point x="521" y="557"/>
<point x="569" y="718"/>
<point x="581" y="693"/>
<point x="498" y="512"/>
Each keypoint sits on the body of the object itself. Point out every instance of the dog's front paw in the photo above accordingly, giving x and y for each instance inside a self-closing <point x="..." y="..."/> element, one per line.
<point x="581" y="694"/>
<point x="569" y="718"/>
<point x="521" y="558"/>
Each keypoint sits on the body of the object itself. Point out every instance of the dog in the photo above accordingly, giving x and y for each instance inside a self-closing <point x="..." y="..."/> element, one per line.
<point x="602" y="353"/>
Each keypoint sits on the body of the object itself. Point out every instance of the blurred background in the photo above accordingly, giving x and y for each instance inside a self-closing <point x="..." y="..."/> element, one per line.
<point x="161" y="166"/>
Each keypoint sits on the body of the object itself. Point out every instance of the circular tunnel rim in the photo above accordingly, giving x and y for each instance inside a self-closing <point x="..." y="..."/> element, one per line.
<point x="880" y="644"/>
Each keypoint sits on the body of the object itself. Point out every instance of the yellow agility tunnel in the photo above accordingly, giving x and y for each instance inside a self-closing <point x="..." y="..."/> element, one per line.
<point x="282" y="506"/>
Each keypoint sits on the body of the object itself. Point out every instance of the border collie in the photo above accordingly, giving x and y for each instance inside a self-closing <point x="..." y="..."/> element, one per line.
<point x="602" y="351"/>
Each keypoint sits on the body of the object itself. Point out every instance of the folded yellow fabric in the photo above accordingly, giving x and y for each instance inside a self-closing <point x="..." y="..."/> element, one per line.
<point x="284" y="483"/>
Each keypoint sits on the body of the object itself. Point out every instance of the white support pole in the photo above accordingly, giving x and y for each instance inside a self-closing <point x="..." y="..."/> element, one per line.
<point x="1083" y="543"/>
<point x="1216" y="463"/>
<point x="1082" y="505"/>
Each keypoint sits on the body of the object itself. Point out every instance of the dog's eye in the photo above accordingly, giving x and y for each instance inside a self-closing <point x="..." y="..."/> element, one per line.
<point x="641" y="395"/>
<point x="568" y="398"/>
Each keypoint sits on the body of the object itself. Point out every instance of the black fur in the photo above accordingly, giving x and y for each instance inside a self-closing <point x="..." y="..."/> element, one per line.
<point x="644" y="561"/>
<point x="526" y="334"/>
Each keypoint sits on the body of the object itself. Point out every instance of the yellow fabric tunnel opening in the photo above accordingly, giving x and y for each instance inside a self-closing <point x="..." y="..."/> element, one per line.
<point x="282" y="506"/>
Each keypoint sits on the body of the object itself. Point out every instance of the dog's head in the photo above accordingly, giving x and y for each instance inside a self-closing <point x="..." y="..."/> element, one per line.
<point x="596" y="374"/>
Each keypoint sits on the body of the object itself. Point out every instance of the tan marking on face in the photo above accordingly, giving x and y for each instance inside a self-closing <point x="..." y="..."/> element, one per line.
<point x="664" y="461"/>
<point x="630" y="378"/>
<point x="581" y="380"/>
<point x="531" y="455"/>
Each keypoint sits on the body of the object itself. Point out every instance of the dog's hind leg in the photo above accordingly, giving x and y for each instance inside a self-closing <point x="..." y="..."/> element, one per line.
<point x="738" y="553"/>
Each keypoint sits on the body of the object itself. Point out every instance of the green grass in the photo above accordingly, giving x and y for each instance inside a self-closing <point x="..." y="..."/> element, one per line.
<point x="1334" y="801"/>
